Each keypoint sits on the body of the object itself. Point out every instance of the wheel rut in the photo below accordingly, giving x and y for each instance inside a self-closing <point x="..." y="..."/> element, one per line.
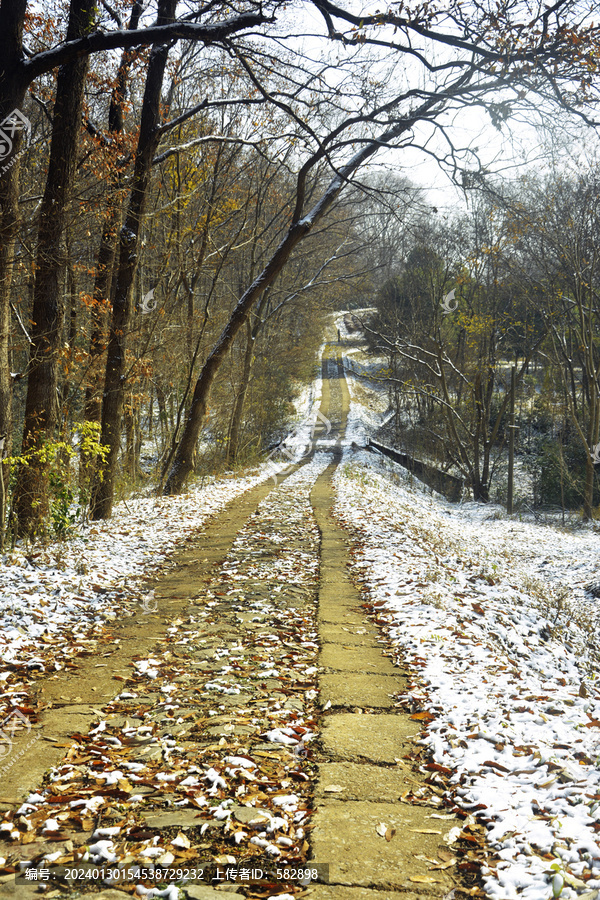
<point x="375" y="844"/>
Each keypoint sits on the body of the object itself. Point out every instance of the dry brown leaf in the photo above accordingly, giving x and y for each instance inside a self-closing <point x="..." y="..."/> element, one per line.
<point x="29" y="837"/>
<point x="444" y="865"/>
<point x="334" y="788"/>
<point x="423" y="879"/>
<point x="390" y="834"/>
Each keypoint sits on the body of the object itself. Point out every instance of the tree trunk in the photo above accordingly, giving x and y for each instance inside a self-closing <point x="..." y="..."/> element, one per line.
<point x="590" y="468"/>
<point x="11" y="98"/>
<point x="8" y="226"/>
<point x="102" y="284"/>
<point x="132" y="443"/>
<point x="112" y="406"/>
<point x="108" y="245"/>
<point x="238" y="406"/>
<point x="66" y="385"/>
<point x="588" y="494"/>
<point x="41" y="406"/>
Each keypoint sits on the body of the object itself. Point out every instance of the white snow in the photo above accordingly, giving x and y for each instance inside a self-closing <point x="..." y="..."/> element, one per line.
<point x="491" y="614"/>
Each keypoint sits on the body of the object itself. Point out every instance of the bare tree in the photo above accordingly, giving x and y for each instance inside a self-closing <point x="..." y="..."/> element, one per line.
<point x="496" y="59"/>
<point x="397" y="80"/>
<point x="41" y="409"/>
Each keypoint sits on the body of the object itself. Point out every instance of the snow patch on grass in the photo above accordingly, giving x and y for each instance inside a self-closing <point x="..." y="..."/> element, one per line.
<point x="492" y="616"/>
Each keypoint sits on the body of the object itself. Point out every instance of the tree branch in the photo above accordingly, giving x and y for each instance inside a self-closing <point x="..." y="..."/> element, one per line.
<point x="99" y="41"/>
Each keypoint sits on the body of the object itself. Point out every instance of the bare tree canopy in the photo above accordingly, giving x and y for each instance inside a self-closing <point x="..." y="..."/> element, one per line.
<point x="322" y="88"/>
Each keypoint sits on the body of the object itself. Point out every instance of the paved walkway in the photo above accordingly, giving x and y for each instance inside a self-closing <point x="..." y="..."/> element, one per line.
<point x="362" y="773"/>
<point x="237" y="626"/>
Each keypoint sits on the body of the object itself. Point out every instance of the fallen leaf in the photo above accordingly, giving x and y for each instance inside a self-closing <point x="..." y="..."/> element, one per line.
<point x="453" y="835"/>
<point x="444" y="865"/>
<point x="382" y="829"/>
<point x="181" y="841"/>
<point x="29" y="838"/>
<point x="390" y="834"/>
<point x="423" y="879"/>
<point x="425" y="831"/>
<point x="333" y="788"/>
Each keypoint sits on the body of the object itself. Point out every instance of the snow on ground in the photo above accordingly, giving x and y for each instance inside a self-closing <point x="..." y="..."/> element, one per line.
<point x="55" y="600"/>
<point x="298" y="443"/>
<point x="492" y="614"/>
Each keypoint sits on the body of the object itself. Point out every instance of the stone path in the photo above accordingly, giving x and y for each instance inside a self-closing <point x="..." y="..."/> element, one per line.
<point x="258" y="615"/>
<point x="365" y="736"/>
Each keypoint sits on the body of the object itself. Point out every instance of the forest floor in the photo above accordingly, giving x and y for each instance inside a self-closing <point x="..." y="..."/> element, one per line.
<point x="327" y="684"/>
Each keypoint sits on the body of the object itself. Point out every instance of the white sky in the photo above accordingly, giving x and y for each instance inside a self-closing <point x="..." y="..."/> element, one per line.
<point x="520" y="145"/>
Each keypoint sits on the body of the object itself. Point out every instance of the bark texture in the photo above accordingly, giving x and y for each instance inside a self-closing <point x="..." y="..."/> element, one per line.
<point x="41" y="407"/>
<point x="114" y="385"/>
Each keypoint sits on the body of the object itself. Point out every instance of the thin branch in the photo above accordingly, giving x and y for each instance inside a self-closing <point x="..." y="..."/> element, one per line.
<point x="20" y="321"/>
<point x="206" y="139"/>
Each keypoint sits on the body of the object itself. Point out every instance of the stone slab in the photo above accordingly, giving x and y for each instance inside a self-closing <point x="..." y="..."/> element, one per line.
<point x="378" y="738"/>
<point x="361" y="781"/>
<point x="331" y="595"/>
<point x="61" y="722"/>
<point x="331" y="613"/>
<point x="350" y="689"/>
<point x="9" y="888"/>
<point x="368" y="660"/>
<point x="340" y="828"/>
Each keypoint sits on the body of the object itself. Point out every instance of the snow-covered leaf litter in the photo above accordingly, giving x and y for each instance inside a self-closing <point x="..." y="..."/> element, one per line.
<point x="501" y="664"/>
<point x="57" y="600"/>
<point x="213" y="726"/>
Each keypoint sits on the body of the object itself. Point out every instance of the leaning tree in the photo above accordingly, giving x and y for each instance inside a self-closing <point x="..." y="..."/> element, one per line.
<point x="346" y="86"/>
<point x="396" y="79"/>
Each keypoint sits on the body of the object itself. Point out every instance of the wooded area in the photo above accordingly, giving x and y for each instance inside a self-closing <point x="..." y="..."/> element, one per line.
<point x="513" y="285"/>
<point x="185" y="194"/>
